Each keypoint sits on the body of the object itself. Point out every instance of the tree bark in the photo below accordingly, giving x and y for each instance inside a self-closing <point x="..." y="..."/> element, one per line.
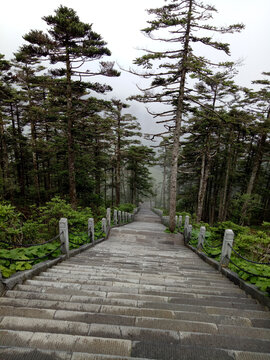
<point x="71" y="154"/>
<point x="205" y="170"/>
<point x="4" y="156"/>
<point x="118" y="160"/>
<point x="178" y="120"/>
<point x="21" y="153"/>
<point x="253" y="176"/>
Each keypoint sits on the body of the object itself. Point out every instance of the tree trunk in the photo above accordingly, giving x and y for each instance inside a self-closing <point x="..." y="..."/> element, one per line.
<point x="4" y="156"/>
<point x="178" y="120"/>
<point x="33" y="143"/>
<point x="253" y="176"/>
<point x="21" y="156"/>
<point x="112" y="202"/>
<point x="71" y="153"/>
<point x="205" y="169"/>
<point x="118" y="162"/>
<point x="224" y="192"/>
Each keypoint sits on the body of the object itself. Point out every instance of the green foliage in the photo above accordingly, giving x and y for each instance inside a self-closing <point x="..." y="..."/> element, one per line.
<point x="251" y="244"/>
<point x="99" y="234"/>
<point x="261" y="283"/>
<point x="57" y="208"/>
<point x="128" y="207"/>
<point x="236" y="206"/>
<point x="167" y="231"/>
<point x="10" y="265"/>
<point x="217" y="231"/>
<point x="10" y="223"/>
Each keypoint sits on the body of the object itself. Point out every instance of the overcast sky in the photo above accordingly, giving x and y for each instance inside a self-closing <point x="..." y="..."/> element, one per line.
<point x="119" y="22"/>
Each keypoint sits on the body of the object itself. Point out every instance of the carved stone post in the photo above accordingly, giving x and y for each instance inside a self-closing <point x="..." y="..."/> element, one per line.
<point x="91" y="229"/>
<point x="176" y="221"/>
<point x="104" y="226"/>
<point x="186" y="227"/>
<point x="189" y="232"/>
<point x="64" y="239"/>
<point x="201" y="238"/>
<point x="226" y="248"/>
<point x="119" y="217"/>
<point x="115" y="220"/>
<point x="108" y="217"/>
<point x="180" y="221"/>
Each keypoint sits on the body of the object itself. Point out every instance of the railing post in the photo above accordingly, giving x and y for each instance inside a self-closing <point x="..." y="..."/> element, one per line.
<point x="115" y="220"/>
<point x="108" y="217"/>
<point x="226" y="248"/>
<point x="64" y="239"/>
<point x="186" y="227"/>
<point x="104" y="226"/>
<point x="189" y="232"/>
<point x="91" y="229"/>
<point x="176" y="221"/>
<point x="180" y="221"/>
<point x="201" y="238"/>
<point x="119" y="217"/>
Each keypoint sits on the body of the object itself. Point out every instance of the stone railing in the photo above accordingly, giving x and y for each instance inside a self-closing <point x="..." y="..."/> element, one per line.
<point x="227" y="240"/>
<point x="119" y="218"/>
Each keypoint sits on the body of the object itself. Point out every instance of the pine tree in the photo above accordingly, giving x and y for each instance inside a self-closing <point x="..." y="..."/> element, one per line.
<point x="72" y="43"/>
<point x="125" y="128"/>
<point x="259" y="102"/>
<point x="182" y="20"/>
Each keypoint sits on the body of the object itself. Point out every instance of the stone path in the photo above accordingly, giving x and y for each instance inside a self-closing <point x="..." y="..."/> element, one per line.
<point x="141" y="294"/>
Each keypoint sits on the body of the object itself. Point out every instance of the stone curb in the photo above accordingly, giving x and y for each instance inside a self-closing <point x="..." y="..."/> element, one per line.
<point x="19" y="278"/>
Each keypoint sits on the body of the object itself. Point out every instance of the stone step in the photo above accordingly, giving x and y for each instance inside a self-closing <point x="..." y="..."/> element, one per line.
<point x="104" y="269"/>
<point x="111" y="319"/>
<point x="64" y="342"/>
<point x="85" y="279"/>
<point x="76" y="289"/>
<point x="158" y="351"/>
<point x="126" y="332"/>
<point x="219" y="340"/>
<point x="184" y="292"/>
<point x="121" y="300"/>
<point x="138" y="293"/>
<point x="82" y="279"/>
<point x="190" y="346"/>
<point x="234" y="292"/>
<point x="168" y="279"/>
<point x="126" y="311"/>
<point x="16" y="353"/>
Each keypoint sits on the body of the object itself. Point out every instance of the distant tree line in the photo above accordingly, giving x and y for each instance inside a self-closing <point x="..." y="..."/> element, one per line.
<point x="56" y="136"/>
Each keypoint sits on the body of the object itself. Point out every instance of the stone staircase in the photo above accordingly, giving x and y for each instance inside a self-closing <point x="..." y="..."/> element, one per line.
<point x="142" y="295"/>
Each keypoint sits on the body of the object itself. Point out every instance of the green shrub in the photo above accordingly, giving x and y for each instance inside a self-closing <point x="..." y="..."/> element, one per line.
<point x="10" y="223"/>
<point x="128" y="207"/>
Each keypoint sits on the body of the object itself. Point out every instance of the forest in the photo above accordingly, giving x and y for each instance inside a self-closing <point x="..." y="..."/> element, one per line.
<point x="64" y="146"/>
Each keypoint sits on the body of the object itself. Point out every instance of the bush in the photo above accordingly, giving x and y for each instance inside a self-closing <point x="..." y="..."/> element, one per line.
<point x="57" y="208"/>
<point x="10" y="224"/>
<point x="128" y="207"/>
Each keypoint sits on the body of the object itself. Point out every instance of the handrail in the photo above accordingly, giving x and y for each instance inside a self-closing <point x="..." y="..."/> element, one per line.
<point x="251" y="261"/>
<point x="248" y="272"/>
<point x="207" y="253"/>
<point x="30" y="245"/>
